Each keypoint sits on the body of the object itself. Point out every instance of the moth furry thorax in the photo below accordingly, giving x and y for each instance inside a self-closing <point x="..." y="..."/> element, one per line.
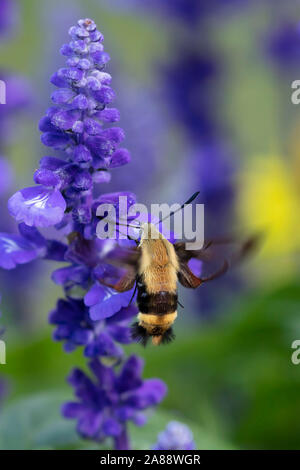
<point x="158" y="263"/>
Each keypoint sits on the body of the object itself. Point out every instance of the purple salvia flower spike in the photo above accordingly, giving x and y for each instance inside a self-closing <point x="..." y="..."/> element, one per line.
<point x="92" y="315"/>
<point x="107" y="404"/>
<point x="76" y="124"/>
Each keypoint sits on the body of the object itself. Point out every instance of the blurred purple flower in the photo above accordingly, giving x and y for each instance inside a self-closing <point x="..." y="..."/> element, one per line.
<point x="6" y="176"/>
<point x="188" y="84"/>
<point x="145" y="128"/>
<point x="190" y="12"/>
<point x="283" y="45"/>
<point x="8" y="16"/>
<point x="193" y="11"/>
<point x="106" y="404"/>
<point x="215" y="165"/>
<point x="18" y="98"/>
<point x="176" y="436"/>
<point x="3" y="390"/>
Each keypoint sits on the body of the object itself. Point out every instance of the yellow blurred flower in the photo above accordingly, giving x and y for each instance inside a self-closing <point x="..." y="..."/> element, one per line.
<point x="269" y="201"/>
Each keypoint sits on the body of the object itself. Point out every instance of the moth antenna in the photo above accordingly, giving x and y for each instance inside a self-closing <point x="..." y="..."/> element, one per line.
<point x="132" y="297"/>
<point x="122" y="233"/>
<point x="129" y="225"/>
<point x="191" y="199"/>
<point x="128" y="236"/>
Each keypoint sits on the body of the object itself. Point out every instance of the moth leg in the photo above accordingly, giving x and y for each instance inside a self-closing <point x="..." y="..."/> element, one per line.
<point x="135" y="288"/>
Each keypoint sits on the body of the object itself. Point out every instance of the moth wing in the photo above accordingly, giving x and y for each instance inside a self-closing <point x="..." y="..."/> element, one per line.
<point x="124" y="257"/>
<point x="217" y="255"/>
<point x="124" y="284"/>
<point x="128" y="260"/>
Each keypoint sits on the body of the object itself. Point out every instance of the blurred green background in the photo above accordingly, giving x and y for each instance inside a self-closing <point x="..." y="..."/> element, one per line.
<point x="230" y="378"/>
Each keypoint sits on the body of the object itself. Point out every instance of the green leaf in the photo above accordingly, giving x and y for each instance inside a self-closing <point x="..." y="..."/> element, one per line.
<point x="35" y="422"/>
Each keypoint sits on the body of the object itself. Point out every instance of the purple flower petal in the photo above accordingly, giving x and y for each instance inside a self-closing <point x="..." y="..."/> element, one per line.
<point x="125" y="413"/>
<point x="15" y="249"/>
<point x="110" y="304"/>
<point x="140" y="419"/>
<point x="65" y="120"/>
<point x="72" y="73"/>
<point x="105" y="375"/>
<point x="52" y="163"/>
<point x="56" y="79"/>
<point x="37" y="206"/>
<point x="99" y="146"/>
<point x="109" y="115"/>
<point x="89" y="424"/>
<point x="82" y="154"/>
<point x="101" y="176"/>
<point x="101" y="58"/>
<point x="72" y="410"/>
<point x="120" y="157"/>
<point x="92" y="127"/>
<point x="125" y="314"/>
<point x="113" y="198"/>
<point x="120" y="333"/>
<point x="85" y="389"/>
<point x="80" y="102"/>
<point x="104" y="346"/>
<point x="95" y="295"/>
<point x="130" y="377"/>
<point x="115" y="134"/>
<point x="111" y="427"/>
<point x="56" y="140"/>
<point x="32" y="235"/>
<point x="62" y="96"/>
<point x="71" y="274"/>
<point x="46" y="178"/>
<point x="149" y="394"/>
<point x="45" y="125"/>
